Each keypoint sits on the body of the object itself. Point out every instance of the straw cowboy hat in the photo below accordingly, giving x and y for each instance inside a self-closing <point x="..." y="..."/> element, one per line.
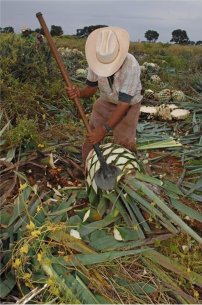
<point x="106" y="49"/>
<point x="24" y="29"/>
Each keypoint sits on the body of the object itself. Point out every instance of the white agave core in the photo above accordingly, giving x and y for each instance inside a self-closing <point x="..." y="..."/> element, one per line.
<point x="180" y="114"/>
<point x="113" y="154"/>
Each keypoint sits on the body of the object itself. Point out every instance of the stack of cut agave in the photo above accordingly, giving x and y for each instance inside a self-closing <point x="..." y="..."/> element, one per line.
<point x="140" y="200"/>
<point x="165" y="112"/>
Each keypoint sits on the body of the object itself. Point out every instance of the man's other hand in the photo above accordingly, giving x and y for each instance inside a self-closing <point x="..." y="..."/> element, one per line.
<point x="96" y="135"/>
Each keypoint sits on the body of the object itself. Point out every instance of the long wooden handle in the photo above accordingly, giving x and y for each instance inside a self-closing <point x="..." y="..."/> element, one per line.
<point x="61" y="67"/>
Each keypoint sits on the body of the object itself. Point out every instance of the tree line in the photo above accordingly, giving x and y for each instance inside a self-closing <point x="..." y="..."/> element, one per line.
<point x="178" y="36"/>
<point x="55" y="30"/>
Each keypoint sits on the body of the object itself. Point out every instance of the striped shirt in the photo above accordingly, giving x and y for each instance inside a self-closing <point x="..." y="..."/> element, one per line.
<point x="126" y="85"/>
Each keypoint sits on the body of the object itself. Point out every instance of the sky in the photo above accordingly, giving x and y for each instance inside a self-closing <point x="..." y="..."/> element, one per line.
<point x="136" y="16"/>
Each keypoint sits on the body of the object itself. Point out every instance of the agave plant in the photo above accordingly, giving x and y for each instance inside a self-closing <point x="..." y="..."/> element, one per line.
<point x="137" y="197"/>
<point x="164" y="95"/>
<point x="155" y="79"/>
<point x="178" y="95"/>
<point x="197" y="82"/>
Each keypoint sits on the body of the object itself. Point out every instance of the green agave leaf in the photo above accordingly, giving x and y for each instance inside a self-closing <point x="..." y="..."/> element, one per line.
<point x="192" y="195"/>
<point x="139" y="288"/>
<point x="4" y="128"/>
<point x="160" y="144"/>
<point x="195" y="123"/>
<point x="129" y="234"/>
<point x="91" y="227"/>
<point x="10" y="154"/>
<point x="74" y="221"/>
<point x="76" y="284"/>
<point x="103" y="300"/>
<point x="184" y="209"/>
<point x="92" y="196"/>
<point x="107" y="242"/>
<point x="66" y="292"/>
<point x="100" y="241"/>
<point x="171" y="187"/>
<point x="173" y="195"/>
<point x="154" y="212"/>
<point x="171" y="265"/>
<point x="147" y="178"/>
<point x="135" y="224"/>
<point x="4" y="218"/>
<point x="7" y="285"/>
<point x="97" y="258"/>
<point x="84" y="293"/>
<point x="115" y="200"/>
<point x="40" y="217"/>
<point x="142" y="222"/>
<point x="64" y="206"/>
<point x="168" y="283"/>
<point x="20" y="204"/>
<point x="174" y="217"/>
<point x="197" y="186"/>
<point x="102" y="206"/>
<point x="22" y="176"/>
<point x="1" y="114"/>
<point x="70" y="241"/>
<point x="30" y="211"/>
<point x="2" y="142"/>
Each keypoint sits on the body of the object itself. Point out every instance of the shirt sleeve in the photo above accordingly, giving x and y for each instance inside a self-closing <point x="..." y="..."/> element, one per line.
<point x="92" y="78"/>
<point x="123" y="97"/>
<point x="129" y="80"/>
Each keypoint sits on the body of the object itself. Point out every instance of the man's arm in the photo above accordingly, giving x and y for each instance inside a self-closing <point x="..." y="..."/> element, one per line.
<point x="100" y="132"/>
<point x="118" y="114"/>
<point x="74" y="91"/>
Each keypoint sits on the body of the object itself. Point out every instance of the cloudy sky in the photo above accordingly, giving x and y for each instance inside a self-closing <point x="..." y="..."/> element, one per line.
<point x="136" y="16"/>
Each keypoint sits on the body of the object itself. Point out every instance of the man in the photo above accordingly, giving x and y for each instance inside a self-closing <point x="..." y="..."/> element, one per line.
<point x="116" y="74"/>
<point x="40" y="39"/>
<point x="25" y="33"/>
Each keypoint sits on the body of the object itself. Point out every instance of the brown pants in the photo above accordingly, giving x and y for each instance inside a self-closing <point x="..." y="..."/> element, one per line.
<point x="125" y="131"/>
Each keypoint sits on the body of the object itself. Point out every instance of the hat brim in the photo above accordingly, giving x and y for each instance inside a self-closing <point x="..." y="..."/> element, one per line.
<point x="98" y="67"/>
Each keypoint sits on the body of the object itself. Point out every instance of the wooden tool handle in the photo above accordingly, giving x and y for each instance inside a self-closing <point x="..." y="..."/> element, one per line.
<point x="61" y="67"/>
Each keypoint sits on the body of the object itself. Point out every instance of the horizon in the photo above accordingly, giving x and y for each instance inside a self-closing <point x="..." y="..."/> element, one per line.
<point x="135" y="16"/>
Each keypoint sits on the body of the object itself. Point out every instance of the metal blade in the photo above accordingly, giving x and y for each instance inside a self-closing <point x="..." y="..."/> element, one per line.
<point x="106" y="178"/>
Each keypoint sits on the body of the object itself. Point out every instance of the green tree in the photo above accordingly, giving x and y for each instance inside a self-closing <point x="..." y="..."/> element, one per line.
<point x="199" y="43"/>
<point x="179" y="36"/>
<point x="7" y="29"/>
<point x="151" y="35"/>
<point x="37" y="30"/>
<point x="88" y="29"/>
<point x="56" y="30"/>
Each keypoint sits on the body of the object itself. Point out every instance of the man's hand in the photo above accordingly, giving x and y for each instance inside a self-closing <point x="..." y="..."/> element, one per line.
<point x="96" y="135"/>
<point x="73" y="92"/>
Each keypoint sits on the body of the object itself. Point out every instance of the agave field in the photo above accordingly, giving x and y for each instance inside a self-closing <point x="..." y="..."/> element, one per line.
<point x="64" y="240"/>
